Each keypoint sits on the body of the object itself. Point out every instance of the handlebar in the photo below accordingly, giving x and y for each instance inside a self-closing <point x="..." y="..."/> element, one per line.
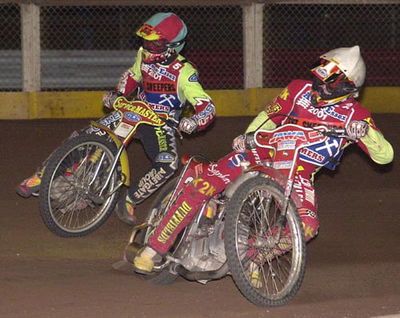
<point x="330" y="132"/>
<point x="337" y="132"/>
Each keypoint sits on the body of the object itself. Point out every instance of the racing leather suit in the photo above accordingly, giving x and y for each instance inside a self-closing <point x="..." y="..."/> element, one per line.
<point x="166" y="88"/>
<point x="293" y="101"/>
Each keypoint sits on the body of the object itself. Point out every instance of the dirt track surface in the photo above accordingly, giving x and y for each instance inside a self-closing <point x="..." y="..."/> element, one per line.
<point x="353" y="267"/>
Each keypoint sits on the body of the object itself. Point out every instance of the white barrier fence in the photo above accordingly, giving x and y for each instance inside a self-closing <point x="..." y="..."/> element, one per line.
<point x="68" y="69"/>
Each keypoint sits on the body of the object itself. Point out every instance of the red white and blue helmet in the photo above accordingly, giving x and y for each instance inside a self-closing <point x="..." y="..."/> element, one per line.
<point x="163" y="37"/>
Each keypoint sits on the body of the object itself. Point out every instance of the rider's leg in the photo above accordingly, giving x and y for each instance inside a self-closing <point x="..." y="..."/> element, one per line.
<point x="214" y="178"/>
<point x="160" y="146"/>
<point x="310" y="222"/>
<point x="175" y="220"/>
<point x="31" y="185"/>
<point x="308" y="211"/>
<point x="308" y="216"/>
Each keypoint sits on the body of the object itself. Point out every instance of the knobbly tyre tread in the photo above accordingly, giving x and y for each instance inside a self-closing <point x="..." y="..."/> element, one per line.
<point x="164" y="277"/>
<point x="52" y="164"/>
<point x="233" y="209"/>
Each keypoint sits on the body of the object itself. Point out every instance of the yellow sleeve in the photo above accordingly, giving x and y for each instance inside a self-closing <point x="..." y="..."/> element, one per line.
<point x="379" y="149"/>
<point x="259" y="120"/>
<point x="189" y="88"/>
<point x="134" y="71"/>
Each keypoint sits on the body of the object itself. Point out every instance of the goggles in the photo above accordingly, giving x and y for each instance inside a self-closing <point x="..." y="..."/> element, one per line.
<point x="156" y="47"/>
<point x="327" y="71"/>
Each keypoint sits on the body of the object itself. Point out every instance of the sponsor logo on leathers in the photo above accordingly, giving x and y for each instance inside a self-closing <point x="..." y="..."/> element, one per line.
<point x="236" y="159"/>
<point x="212" y="171"/>
<point x="157" y="72"/>
<point x="176" y="219"/>
<point x="304" y="189"/>
<point x="151" y="180"/>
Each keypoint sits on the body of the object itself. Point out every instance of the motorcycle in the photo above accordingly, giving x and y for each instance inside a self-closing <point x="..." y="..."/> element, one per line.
<point x="251" y="231"/>
<point x="84" y="176"/>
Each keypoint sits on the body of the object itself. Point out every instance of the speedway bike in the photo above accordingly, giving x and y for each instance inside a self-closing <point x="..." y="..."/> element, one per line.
<point x="84" y="176"/>
<point x="251" y="231"/>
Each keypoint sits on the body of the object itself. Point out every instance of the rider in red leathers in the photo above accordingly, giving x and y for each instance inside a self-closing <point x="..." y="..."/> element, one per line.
<point x="327" y="100"/>
<point x="166" y="81"/>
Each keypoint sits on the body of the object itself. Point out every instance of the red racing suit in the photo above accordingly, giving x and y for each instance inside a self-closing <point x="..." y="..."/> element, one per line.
<point x="294" y="101"/>
<point x="166" y="88"/>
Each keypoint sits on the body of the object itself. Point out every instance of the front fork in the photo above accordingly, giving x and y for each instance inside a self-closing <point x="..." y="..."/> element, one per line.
<point x="286" y="184"/>
<point x="121" y="157"/>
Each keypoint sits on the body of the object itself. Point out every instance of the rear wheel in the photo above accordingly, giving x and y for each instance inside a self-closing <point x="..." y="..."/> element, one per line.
<point x="265" y="255"/>
<point x="70" y="201"/>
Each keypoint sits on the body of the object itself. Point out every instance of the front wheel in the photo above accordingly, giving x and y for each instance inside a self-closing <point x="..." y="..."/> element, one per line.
<point x="72" y="202"/>
<point x="265" y="251"/>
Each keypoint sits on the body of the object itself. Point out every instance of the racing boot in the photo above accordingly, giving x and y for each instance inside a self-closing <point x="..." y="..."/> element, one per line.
<point x="254" y="273"/>
<point x="145" y="259"/>
<point x="125" y="211"/>
<point x="284" y="245"/>
<point x="29" y="186"/>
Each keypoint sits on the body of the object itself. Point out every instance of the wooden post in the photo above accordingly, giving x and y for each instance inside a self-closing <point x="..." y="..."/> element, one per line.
<point x="253" y="45"/>
<point x="30" y="28"/>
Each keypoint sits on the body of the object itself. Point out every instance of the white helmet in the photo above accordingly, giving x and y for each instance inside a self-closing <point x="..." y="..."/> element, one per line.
<point x="350" y="62"/>
<point x="338" y="76"/>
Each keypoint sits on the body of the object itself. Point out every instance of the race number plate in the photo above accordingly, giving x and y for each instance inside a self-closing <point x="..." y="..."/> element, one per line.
<point x="123" y="130"/>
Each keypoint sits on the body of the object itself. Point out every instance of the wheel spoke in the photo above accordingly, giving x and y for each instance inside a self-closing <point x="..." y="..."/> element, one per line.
<point x="270" y="256"/>
<point x="70" y="200"/>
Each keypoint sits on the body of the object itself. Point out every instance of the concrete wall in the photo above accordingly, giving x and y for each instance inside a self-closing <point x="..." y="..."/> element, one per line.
<point x="37" y="105"/>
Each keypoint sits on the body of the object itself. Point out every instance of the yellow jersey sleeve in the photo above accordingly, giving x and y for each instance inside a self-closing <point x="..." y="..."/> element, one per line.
<point x="189" y="87"/>
<point x="260" y="120"/>
<point x="379" y="149"/>
<point x="135" y="71"/>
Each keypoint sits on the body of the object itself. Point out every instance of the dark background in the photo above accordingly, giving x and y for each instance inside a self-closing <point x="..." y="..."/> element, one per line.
<point x="294" y="35"/>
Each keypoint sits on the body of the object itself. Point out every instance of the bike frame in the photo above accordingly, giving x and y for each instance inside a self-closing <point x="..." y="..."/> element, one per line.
<point x="133" y="114"/>
<point x="286" y="142"/>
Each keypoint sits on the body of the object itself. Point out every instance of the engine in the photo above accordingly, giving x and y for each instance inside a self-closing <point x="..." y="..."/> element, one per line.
<point x="203" y="248"/>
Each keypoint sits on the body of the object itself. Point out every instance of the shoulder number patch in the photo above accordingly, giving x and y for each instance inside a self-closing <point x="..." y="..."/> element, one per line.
<point x="273" y="108"/>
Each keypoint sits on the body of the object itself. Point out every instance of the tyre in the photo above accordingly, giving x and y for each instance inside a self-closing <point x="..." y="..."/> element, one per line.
<point x="267" y="261"/>
<point x="70" y="200"/>
<point x="155" y="216"/>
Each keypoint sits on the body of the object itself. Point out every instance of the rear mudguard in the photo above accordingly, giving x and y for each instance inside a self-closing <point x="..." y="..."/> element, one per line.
<point x="123" y="159"/>
<point x="266" y="172"/>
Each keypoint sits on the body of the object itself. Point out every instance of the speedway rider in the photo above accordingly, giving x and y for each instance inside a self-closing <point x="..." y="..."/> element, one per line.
<point x="329" y="99"/>
<point x="166" y="81"/>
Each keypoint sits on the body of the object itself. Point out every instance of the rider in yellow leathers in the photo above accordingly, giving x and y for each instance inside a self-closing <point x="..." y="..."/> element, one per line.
<point x="167" y="81"/>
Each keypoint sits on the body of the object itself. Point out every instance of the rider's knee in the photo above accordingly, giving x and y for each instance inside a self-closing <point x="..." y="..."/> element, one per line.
<point x="167" y="161"/>
<point x="310" y="222"/>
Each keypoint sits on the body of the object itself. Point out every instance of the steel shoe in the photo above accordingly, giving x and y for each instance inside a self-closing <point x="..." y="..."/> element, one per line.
<point x="145" y="259"/>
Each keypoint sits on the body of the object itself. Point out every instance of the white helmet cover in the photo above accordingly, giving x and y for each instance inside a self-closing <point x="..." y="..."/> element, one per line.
<point x="350" y="62"/>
